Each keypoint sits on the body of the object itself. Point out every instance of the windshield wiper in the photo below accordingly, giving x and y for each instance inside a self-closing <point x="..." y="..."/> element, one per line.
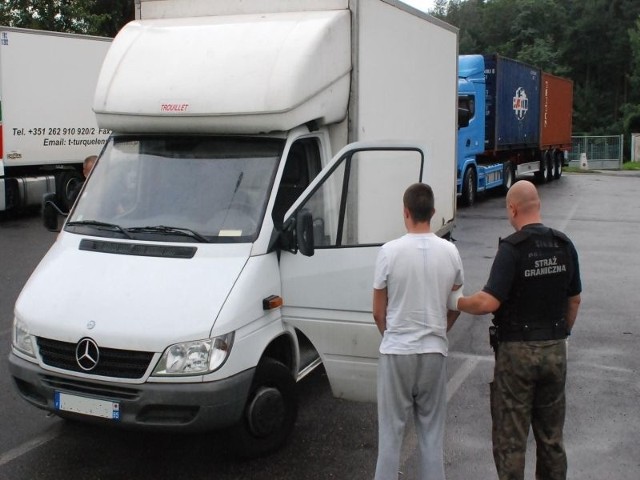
<point x="100" y="226"/>
<point x="163" y="229"/>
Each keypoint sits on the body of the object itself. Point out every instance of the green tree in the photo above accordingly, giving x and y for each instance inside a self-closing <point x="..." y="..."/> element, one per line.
<point x="467" y="16"/>
<point x="600" y="57"/>
<point x="55" y="15"/>
<point x="596" y="43"/>
<point x="107" y="17"/>
<point x="631" y="110"/>
<point x="634" y="43"/>
<point x="93" y="17"/>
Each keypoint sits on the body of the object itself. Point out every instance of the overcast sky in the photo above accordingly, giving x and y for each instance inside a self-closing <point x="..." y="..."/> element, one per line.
<point x="423" y="5"/>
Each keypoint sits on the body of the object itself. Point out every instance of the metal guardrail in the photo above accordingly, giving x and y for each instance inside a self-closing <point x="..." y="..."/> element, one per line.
<point x="603" y="152"/>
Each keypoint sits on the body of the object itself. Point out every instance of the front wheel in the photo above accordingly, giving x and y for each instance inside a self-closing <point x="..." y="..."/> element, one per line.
<point x="469" y="187"/>
<point x="270" y="411"/>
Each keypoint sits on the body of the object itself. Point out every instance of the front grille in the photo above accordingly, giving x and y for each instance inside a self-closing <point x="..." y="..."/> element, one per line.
<point x="112" y="363"/>
<point x="91" y="389"/>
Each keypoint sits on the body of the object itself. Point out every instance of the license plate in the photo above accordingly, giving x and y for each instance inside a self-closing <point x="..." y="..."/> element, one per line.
<point x="94" y="407"/>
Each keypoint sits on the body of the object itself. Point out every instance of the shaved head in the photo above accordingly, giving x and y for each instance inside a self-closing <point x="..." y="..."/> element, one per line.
<point x="523" y="204"/>
<point x="524" y="195"/>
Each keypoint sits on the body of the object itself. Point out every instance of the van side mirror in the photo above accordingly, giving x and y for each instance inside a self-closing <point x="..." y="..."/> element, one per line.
<point x="51" y="212"/>
<point x="304" y="233"/>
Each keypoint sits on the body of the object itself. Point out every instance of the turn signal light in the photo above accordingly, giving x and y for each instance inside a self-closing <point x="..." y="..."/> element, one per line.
<point x="271" y="302"/>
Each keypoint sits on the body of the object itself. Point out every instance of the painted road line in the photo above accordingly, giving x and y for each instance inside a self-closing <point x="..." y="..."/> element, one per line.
<point x="32" y="444"/>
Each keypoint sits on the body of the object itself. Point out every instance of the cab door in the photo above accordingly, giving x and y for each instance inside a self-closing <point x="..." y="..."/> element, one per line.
<point x="355" y="205"/>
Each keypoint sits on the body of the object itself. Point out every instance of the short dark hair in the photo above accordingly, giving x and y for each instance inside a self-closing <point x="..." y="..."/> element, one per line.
<point x="419" y="200"/>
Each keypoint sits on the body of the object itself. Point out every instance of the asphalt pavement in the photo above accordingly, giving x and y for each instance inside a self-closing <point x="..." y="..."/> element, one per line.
<point x="336" y="439"/>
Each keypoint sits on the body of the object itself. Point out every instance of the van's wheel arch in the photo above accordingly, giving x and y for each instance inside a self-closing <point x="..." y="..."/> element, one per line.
<point x="469" y="187"/>
<point x="269" y="413"/>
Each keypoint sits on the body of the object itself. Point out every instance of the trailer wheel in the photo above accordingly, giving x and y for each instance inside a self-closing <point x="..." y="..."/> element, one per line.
<point x="508" y="176"/>
<point x="68" y="181"/>
<point x="548" y="161"/>
<point x="270" y="412"/>
<point x="469" y="187"/>
<point x="540" y="173"/>
<point x="559" y="161"/>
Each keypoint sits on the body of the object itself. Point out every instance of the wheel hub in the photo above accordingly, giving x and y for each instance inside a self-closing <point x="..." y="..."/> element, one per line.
<point x="266" y="411"/>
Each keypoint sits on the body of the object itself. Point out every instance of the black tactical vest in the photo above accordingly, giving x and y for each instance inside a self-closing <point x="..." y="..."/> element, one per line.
<point x="537" y="302"/>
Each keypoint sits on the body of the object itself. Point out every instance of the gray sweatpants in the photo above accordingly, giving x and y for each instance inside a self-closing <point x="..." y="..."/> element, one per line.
<point x="411" y="383"/>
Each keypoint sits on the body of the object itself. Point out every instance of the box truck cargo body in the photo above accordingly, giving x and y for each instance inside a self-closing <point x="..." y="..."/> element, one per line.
<point x="224" y="244"/>
<point x="47" y="83"/>
<point x="516" y="119"/>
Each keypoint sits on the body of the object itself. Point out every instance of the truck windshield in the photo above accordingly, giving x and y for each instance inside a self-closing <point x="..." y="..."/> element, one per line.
<point x="179" y="188"/>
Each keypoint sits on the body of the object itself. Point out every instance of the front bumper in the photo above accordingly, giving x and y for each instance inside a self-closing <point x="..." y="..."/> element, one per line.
<point x="149" y="406"/>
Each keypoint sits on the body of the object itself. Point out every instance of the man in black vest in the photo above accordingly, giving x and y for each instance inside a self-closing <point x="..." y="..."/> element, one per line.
<point x="534" y="292"/>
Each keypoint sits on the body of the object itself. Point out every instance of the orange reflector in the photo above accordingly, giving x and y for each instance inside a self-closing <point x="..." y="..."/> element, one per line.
<point x="271" y="302"/>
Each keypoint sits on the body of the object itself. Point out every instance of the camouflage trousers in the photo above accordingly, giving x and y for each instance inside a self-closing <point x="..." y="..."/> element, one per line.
<point x="528" y="390"/>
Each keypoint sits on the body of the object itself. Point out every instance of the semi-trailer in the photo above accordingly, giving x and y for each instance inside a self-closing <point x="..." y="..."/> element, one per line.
<point x="514" y="119"/>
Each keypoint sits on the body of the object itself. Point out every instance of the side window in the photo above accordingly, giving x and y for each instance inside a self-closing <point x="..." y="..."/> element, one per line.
<point x="302" y="166"/>
<point x="360" y="202"/>
<point x="467" y="102"/>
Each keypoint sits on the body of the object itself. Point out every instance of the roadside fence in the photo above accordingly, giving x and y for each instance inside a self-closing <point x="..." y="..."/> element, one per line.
<point x="603" y="152"/>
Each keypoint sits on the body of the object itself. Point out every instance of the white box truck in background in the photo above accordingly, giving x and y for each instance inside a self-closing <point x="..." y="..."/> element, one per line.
<point x="224" y="244"/>
<point x="47" y="84"/>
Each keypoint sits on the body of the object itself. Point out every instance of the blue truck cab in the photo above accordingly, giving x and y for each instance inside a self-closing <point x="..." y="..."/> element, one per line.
<point x="471" y="99"/>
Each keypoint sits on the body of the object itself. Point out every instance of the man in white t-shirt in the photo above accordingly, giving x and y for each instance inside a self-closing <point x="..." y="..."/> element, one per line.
<point x="414" y="277"/>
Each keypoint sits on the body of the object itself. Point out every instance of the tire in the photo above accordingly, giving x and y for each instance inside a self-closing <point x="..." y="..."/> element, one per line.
<point x="540" y="174"/>
<point x="270" y="412"/>
<point x="558" y="164"/>
<point x="508" y="177"/>
<point x="67" y="182"/>
<point x="469" y="187"/>
<point x="548" y="161"/>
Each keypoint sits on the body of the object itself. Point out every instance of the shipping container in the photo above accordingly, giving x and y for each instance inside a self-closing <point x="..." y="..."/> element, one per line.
<point x="556" y="112"/>
<point x="513" y="104"/>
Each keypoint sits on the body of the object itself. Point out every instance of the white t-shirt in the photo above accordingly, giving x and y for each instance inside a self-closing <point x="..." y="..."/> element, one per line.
<point x="418" y="271"/>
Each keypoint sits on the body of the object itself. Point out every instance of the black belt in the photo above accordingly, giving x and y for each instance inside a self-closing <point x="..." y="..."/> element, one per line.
<point x="526" y="334"/>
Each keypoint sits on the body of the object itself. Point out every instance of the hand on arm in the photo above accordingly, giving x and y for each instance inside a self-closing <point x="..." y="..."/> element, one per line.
<point x="479" y="303"/>
<point x="380" y="308"/>
<point x="454" y="296"/>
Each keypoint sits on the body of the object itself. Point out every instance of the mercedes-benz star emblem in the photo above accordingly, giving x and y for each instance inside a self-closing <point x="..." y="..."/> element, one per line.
<point x="87" y="354"/>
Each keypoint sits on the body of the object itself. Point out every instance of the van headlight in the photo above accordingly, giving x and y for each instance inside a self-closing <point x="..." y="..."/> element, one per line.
<point x="23" y="341"/>
<point x="195" y="358"/>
